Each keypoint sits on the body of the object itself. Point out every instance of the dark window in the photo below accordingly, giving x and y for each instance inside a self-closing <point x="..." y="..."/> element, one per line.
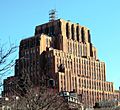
<point x="37" y="41"/>
<point x="32" y="43"/>
<point x="51" y="83"/>
<point x="61" y="68"/>
<point x="72" y="31"/>
<point x="77" y="32"/>
<point x="89" y="39"/>
<point x="46" y="30"/>
<point x="41" y="30"/>
<point x="59" y="24"/>
<point x="83" y="34"/>
<point x="67" y="31"/>
<point x="51" y="31"/>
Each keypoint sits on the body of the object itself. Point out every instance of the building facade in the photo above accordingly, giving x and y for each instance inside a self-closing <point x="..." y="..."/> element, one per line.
<point x="64" y="51"/>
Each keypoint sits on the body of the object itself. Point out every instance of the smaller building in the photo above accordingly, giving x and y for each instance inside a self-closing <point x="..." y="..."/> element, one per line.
<point x="111" y="104"/>
<point x="10" y="86"/>
<point x="72" y="99"/>
<point x="118" y="92"/>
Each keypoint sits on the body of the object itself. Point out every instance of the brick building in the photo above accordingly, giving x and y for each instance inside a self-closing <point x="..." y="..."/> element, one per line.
<point x="68" y="57"/>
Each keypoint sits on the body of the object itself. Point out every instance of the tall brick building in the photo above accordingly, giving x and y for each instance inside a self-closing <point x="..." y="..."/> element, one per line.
<point x="69" y="58"/>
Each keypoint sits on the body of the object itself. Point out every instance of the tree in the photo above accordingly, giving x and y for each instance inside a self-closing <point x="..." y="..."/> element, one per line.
<point x="35" y="98"/>
<point x="5" y="61"/>
<point x="47" y="100"/>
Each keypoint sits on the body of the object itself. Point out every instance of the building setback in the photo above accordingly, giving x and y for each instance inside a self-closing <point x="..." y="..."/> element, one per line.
<point x="69" y="58"/>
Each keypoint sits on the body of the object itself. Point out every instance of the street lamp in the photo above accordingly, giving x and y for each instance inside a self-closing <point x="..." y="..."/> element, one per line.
<point x="15" y="99"/>
<point x="6" y="99"/>
<point x="4" y="102"/>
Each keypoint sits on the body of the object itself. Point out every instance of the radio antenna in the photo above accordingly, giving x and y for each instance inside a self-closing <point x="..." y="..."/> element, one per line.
<point x="52" y="15"/>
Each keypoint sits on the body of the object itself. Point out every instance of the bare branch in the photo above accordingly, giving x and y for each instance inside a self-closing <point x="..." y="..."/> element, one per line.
<point x="5" y="61"/>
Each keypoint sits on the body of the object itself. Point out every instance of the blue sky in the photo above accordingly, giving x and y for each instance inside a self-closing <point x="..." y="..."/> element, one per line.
<point x="18" y="19"/>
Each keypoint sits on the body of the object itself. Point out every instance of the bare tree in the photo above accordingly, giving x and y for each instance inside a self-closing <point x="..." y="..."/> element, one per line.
<point x="32" y="98"/>
<point x="42" y="101"/>
<point x="5" y="61"/>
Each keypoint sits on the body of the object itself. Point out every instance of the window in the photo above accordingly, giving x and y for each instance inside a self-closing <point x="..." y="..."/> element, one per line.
<point x="72" y="31"/>
<point x="79" y="83"/>
<point x="77" y="33"/>
<point x="37" y="41"/>
<point x="46" y="30"/>
<point x="32" y="43"/>
<point x="89" y="40"/>
<point x="67" y="30"/>
<point x="83" y="34"/>
<point x="51" y="31"/>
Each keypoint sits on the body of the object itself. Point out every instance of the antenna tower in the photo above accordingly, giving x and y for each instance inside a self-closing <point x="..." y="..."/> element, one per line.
<point x="52" y="15"/>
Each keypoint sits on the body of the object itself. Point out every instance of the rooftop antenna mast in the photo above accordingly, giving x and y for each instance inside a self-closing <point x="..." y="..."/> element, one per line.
<point x="52" y="15"/>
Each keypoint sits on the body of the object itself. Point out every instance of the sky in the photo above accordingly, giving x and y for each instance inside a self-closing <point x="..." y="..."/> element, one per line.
<point x="18" y="19"/>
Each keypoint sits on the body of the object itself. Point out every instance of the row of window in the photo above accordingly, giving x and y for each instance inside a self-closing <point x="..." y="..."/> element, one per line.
<point x="77" y="33"/>
<point x="29" y="43"/>
<point x="91" y="97"/>
<point x="79" y="49"/>
<point x="30" y="52"/>
<point x="88" y="84"/>
<point x="84" y="67"/>
<point x="93" y="84"/>
<point x="48" y="29"/>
